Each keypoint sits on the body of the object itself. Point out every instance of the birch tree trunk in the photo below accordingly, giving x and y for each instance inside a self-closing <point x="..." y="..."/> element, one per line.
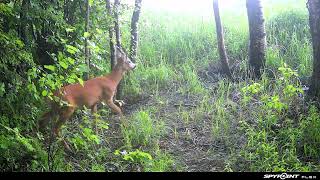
<point x="86" y="50"/>
<point x="134" y="30"/>
<point x="111" y="34"/>
<point x="118" y="40"/>
<point x="116" y="22"/>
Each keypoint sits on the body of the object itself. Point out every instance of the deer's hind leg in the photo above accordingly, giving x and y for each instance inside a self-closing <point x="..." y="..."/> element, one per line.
<point x="44" y="120"/>
<point x="64" y="115"/>
<point x="93" y="112"/>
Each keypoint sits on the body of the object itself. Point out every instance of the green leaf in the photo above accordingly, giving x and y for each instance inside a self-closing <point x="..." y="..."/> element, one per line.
<point x="2" y="89"/>
<point x="71" y="60"/>
<point x="50" y="67"/>
<point x="70" y="29"/>
<point x="63" y="41"/>
<point x="117" y="152"/>
<point x="127" y="158"/>
<point x="81" y="81"/>
<point x="44" y="93"/>
<point x="26" y="143"/>
<point x="71" y="49"/>
<point x="63" y="64"/>
<point x="73" y="76"/>
<point x="99" y="31"/>
<point x="19" y="43"/>
<point x="86" y="34"/>
<point x="60" y="56"/>
<point x="91" y="2"/>
<point x="71" y="80"/>
<point x="95" y="138"/>
<point x="104" y="125"/>
<point x="82" y="68"/>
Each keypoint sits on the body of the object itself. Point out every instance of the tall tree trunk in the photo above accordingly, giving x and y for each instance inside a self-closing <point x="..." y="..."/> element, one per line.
<point x="116" y="22"/>
<point x="86" y="50"/>
<point x="220" y="37"/>
<point x="66" y="10"/>
<point x="24" y="25"/>
<point x="134" y="30"/>
<point x="111" y="33"/>
<point x="257" y="47"/>
<point x="6" y="20"/>
<point x="314" y="21"/>
<point x="118" y="39"/>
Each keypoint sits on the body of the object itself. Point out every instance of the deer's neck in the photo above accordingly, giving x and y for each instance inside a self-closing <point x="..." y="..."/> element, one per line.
<point x="117" y="74"/>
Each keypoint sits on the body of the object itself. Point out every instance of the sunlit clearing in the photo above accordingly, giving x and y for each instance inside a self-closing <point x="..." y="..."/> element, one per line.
<point x="201" y="7"/>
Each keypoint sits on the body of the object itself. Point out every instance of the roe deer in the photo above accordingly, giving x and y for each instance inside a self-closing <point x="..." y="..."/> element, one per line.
<point x="93" y="91"/>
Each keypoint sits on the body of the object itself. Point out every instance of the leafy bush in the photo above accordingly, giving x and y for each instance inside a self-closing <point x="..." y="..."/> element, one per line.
<point x="273" y="136"/>
<point x="310" y="137"/>
<point x="20" y="153"/>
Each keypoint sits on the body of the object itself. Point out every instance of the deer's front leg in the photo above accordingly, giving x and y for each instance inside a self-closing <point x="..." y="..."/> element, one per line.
<point x="114" y="107"/>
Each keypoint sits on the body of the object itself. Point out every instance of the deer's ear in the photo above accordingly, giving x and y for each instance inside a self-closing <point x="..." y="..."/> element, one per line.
<point x="118" y="53"/>
<point x="119" y="57"/>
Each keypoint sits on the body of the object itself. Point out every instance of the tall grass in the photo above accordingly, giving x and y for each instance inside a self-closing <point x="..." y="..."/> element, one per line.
<point x="169" y="40"/>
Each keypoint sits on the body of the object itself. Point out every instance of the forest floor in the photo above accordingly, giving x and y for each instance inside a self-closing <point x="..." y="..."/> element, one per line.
<point x="183" y="130"/>
<point x="190" y="143"/>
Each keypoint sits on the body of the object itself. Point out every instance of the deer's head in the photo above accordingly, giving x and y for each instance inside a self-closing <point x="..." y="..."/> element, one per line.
<point x="123" y="61"/>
